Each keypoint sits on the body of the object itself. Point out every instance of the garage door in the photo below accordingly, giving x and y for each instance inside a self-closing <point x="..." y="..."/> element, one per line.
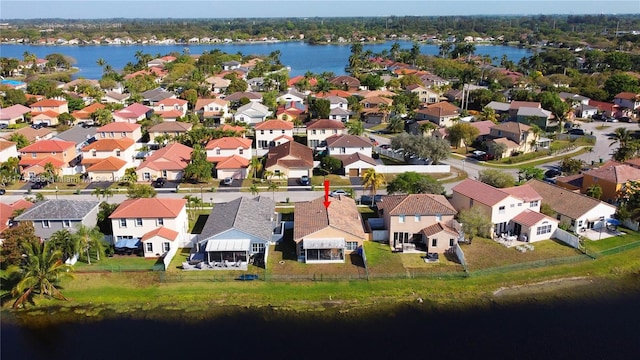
<point x="354" y="172"/>
<point x="296" y="173"/>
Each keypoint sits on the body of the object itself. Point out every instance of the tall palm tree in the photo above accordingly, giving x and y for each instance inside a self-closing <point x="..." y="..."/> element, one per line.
<point x="256" y="165"/>
<point x="39" y="274"/>
<point x="396" y="125"/>
<point x="356" y="127"/>
<point x="254" y="189"/>
<point x="427" y="127"/>
<point x="273" y="187"/>
<point x="384" y="109"/>
<point x="90" y="239"/>
<point x="66" y="242"/>
<point x="373" y="181"/>
<point x="621" y="137"/>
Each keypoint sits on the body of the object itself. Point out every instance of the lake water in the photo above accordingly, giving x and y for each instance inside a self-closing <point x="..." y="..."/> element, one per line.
<point x="301" y="57"/>
<point x="595" y="329"/>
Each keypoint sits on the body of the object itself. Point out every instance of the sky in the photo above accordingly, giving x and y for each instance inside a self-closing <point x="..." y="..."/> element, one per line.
<point x="100" y="9"/>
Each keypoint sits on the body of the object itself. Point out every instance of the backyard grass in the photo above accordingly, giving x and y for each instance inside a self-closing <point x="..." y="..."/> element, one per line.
<point x="381" y="261"/>
<point x="334" y="180"/>
<point x="175" y="273"/>
<point x="116" y="263"/>
<point x="596" y="246"/>
<point x="486" y="253"/>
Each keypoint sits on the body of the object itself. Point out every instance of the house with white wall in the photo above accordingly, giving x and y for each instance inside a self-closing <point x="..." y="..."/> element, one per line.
<point x="319" y="130"/>
<point x="272" y="133"/>
<point x="231" y="156"/>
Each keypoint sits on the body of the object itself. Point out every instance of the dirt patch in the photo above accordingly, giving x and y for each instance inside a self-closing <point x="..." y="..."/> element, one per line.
<point x="542" y="287"/>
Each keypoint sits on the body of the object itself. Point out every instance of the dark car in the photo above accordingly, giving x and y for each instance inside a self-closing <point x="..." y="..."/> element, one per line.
<point x="552" y="173"/>
<point x="576" y="132"/>
<point x="304" y="180"/>
<point x="37" y="126"/>
<point x="39" y="185"/>
<point x="598" y="117"/>
<point x="159" y="182"/>
<point x="625" y="119"/>
<point x="4" y="126"/>
<point x="366" y="199"/>
<point x="248" y="277"/>
<point x="3" y="191"/>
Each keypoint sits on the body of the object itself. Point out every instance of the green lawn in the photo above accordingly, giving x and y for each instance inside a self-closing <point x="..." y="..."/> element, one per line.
<point x="116" y="263"/>
<point x="597" y="246"/>
<point x="381" y="261"/>
<point x="334" y="181"/>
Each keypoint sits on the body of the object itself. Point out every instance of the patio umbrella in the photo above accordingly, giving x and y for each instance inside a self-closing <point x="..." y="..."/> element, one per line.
<point x="614" y="222"/>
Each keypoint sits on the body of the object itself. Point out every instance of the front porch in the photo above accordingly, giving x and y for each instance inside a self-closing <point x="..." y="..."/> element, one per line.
<point x="227" y="254"/>
<point x="323" y="251"/>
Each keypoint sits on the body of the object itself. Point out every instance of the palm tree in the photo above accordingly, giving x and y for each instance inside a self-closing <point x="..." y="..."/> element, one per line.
<point x="427" y="127"/>
<point x="66" y="242"/>
<point x="50" y="171"/>
<point x="40" y="273"/>
<point x="273" y="187"/>
<point x="373" y="181"/>
<point x="256" y="165"/>
<point x="104" y="193"/>
<point x="356" y="127"/>
<point x="595" y="191"/>
<point x="621" y="137"/>
<point x="384" y="109"/>
<point x="89" y="239"/>
<point x="254" y="189"/>
<point x="396" y="124"/>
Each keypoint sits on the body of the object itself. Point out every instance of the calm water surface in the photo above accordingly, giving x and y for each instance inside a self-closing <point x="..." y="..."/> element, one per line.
<point x="301" y="57"/>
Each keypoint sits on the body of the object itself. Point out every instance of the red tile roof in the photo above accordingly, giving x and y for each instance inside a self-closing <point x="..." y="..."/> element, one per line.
<point x="172" y="102"/>
<point x="119" y="126"/>
<point x="109" y="164"/>
<point x="438" y="228"/>
<point x="162" y="232"/>
<point x="614" y="172"/>
<point x="6" y="211"/>
<point x="57" y="163"/>
<point x="312" y="217"/>
<point x="274" y="125"/>
<point x="524" y="192"/>
<point x="170" y="114"/>
<point x="48" y="103"/>
<point x="5" y="144"/>
<point x="233" y="162"/>
<point x="229" y="143"/>
<point x="529" y="218"/>
<point x="325" y="124"/>
<point x="479" y="191"/>
<point x="416" y="204"/>
<point x="13" y="112"/>
<point x="48" y="146"/>
<point x="110" y="144"/>
<point x="149" y="208"/>
<point x="134" y="110"/>
<point x="172" y="157"/>
<point x="349" y="141"/>
<point x="297" y="156"/>
<point x="628" y="96"/>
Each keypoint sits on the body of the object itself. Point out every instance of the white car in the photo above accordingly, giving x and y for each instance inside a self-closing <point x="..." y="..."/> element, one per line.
<point x="336" y="193"/>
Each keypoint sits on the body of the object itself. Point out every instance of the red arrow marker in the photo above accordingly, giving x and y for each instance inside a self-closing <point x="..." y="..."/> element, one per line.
<point x="326" y="194"/>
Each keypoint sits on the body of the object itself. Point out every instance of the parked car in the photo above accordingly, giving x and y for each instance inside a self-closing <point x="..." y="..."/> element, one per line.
<point x="366" y="199"/>
<point x="339" y="192"/>
<point x="610" y="119"/>
<point x="159" y="182"/>
<point x="625" y="119"/>
<point x="552" y="173"/>
<point x="304" y="180"/>
<point x="227" y="181"/>
<point x="39" y="185"/>
<point x="37" y="126"/>
<point x="374" y="141"/>
<point x="3" y="191"/>
<point x="4" y="126"/>
<point x="385" y="146"/>
<point x="576" y="132"/>
<point x="598" y="117"/>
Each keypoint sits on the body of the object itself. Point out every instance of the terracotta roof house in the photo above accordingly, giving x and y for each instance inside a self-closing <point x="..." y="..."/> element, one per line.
<point x="132" y="113"/>
<point x="171" y="106"/>
<point x="109" y="169"/>
<point x="141" y="219"/>
<point x="627" y="100"/>
<point x="291" y="160"/>
<point x="296" y="79"/>
<point x="216" y="109"/>
<point x="218" y="84"/>
<point x="407" y="217"/>
<point x="606" y="108"/>
<point x="272" y="133"/>
<point x="118" y="130"/>
<point x="346" y="83"/>
<point x="611" y="177"/>
<point x="517" y="137"/>
<point x="52" y="215"/>
<point x="8" y="150"/>
<point x="231" y="156"/>
<point x="292" y="111"/>
<point x="342" y="146"/>
<point x="85" y="113"/>
<point x="47" y="111"/>
<point x="333" y="92"/>
<point x="168" y="128"/>
<point x="239" y="230"/>
<point x="355" y="164"/>
<point x="252" y="113"/>
<point x="31" y="134"/>
<point x="319" y="130"/>
<point x="327" y="234"/>
<point x="57" y="152"/>
<point x="7" y="210"/>
<point x="425" y="95"/>
<point x="12" y="114"/>
<point x="635" y="162"/>
<point x="119" y="148"/>
<point x="168" y="162"/>
<point x="502" y="206"/>
<point x="441" y="113"/>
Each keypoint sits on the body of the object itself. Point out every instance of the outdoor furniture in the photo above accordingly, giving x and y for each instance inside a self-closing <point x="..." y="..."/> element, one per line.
<point x="528" y="247"/>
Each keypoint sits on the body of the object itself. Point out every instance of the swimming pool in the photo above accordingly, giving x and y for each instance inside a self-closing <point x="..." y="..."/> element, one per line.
<point x="11" y="82"/>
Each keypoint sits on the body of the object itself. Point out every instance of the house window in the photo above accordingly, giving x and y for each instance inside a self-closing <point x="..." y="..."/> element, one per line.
<point x="146" y="176"/>
<point x="434" y="242"/>
<point x="53" y="153"/>
<point x="334" y="131"/>
<point x="159" y="221"/>
<point x="261" y="132"/>
<point x="45" y="224"/>
<point x="573" y="222"/>
<point x="164" y="173"/>
<point x="533" y="203"/>
<point x="322" y="131"/>
<point x="123" y="223"/>
<point x="112" y="134"/>
<point x="118" y="153"/>
<point x="352" y="245"/>
<point x="94" y="153"/>
<point x="103" y="134"/>
<point x="138" y="222"/>
<point x="282" y="131"/>
<point x="149" y="246"/>
<point x="217" y="151"/>
<point x="416" y="218"/>
<point x="66" y="223"/>
<point x="501" y="210"/>
<point x="544" y="229"/>
<point x="257" y="248"/>
<point x="262" y="144"/>
<point x="512" y="205"/>
<point x="401" y="219"/>
<point x="270" y="131"/>
<point x="241" y="151"/>
<point x="124" y="134"/>
<point x="276" y="172"/>
<point x="580" y="223"/>
<point x="313" y="131"/>
<point x="519" y="204"/>
<point x="166" y="246"/>
<point x="33" y="155"/>
<point x="438" y="217"/>
<point x="452" y="242"/>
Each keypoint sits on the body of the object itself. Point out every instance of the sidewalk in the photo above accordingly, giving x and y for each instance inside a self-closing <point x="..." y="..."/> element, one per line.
<point x="550" y="158"/>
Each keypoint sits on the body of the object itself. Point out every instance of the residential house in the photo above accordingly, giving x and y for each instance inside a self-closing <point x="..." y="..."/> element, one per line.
<point x="154" y="96"/>
<point x="85" y="114"/>
<point x="80" y="135"/>
<point x="346" y="83"/>
<point x="292" y="111"/>
<point x="425" y="95"/>
<point x="169" y="128"/>
<point x="291" y="95"/>
<point x="338" y="108"/>
<point x="610" y="177"/>
<point x="160" y="224"/>
<point x="32" y="135"/>
<point x="235" y="98"/>
<point x="272" y="133"/>
<point x="355" y="164"/>
<point x="107" y="159"/>
<point x="509" y="210"/>
<point x="61" y="154"/>
<point x="319" y="130"/>
<point x="252" y="113"/>
<point x="373" y="111"/>
<point x="431" y="81"/>
<point x="218" y="84"/>
<point x="516" y="136"/>
<point x="580" y="212"/>
<point x="606" y="108"/>
<point x="13" y="114"/>
<point x="132" y="113"/>
<point x="52" y="215"/>
<point x="47" y="111"/>
<point x="168" y="162"/>
<point x="238" y="231"/>
<point x="628" y="102"/>
<point x="216" y="109"/>
<point x="344" y="145"/>
<point x="296" y="79"/>
<point x="574" y="99"/>
<point x="119" y="130"/>
<point x="442" y="113"/>
<point x="515" y="106"/>
<point x="333" y="92"/>
<point x="7" y="211"/>
<point x="410" y="220"/>
<point x="586" y="111"/>
<point x="171" y="108"/>
<point x="534" y="116"/>
<point x="8" y="150"/>
<point x="327" y="234"/>
<point x="290" y="160"/>
<point x="112" y="97"/>
<point x="230" y="155"/>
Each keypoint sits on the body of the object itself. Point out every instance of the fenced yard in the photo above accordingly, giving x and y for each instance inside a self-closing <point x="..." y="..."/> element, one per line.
<point x="119" y="263"/>
<point x="615" y="244"/>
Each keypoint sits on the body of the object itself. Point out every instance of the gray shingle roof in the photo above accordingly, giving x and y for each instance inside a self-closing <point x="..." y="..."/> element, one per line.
<point x="59" y="210"/>
<point x="77" y="134"/>
<point x="249" y="215"/>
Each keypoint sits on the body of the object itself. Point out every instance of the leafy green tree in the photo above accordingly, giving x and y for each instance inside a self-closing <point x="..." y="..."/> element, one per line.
<point x="321" y="108"/>
<point x="105" y="210"/>
<point x="256" y="165"/>
<point x="395" y="125"/>
<point x="50" y="171"/>
<point x="474" y="222"/>
<point x="356" y="127"/>
<point x="462" y="131"/>
<point x="629" y="198"/>
<point x="330" y="164"/>
<point x="135" y="191"/>
<point x="66" y="242"/>
<point x="411" y="182"/>
<point x="40" y="273"/>
<point x="621" y="82"/>
<point x="527" y="173"/>
<point x="66" y="119"/>
<point x="595" y="191"/>
<point x="199" y="169"/>
<point x="13" y="97"/>
<point x="571" y="166"/>
<point x="20" y="140"/>
<point x="372" y="82"/>
<point x="102" y="117"/>
<point x="130" y="175"/>
<point x="373" y="180"/>
<point x="552" y="102"/>
<point x="15" y="238"/>
<point x="496" y="178"/>
<point x="90" y="239"/>
<point x="497" y="149"/>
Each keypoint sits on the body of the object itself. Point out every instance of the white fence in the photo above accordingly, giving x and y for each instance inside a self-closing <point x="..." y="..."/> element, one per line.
<point x="189" y="242"/>
<point x="567" y="238"/>
<point x="460" y="255"/>
<point x="421" y="169"/>
<point x="633" y="225"/>
<point x="168" y="256"/>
